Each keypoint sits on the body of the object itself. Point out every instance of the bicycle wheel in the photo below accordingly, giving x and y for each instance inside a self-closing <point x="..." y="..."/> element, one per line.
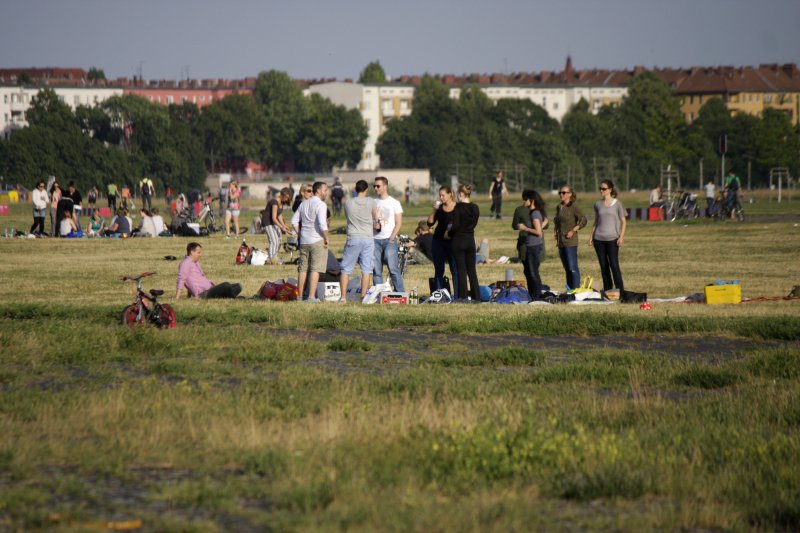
<point x="164" y="317"/>
<point x="130" y="316"/>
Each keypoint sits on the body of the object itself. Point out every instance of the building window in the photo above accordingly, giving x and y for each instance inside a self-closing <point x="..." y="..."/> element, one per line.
<point x="77" y="100"/>
<point x="555" y="105"/>
<point x="184" y="99"/>
<point x="170" y="99"/>
<point x="5" y="98"/>
<point x="61" y="98"/>
<point x="767" y="98"/>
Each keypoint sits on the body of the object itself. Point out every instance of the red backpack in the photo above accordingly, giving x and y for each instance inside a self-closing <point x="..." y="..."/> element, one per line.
<point x="244" y="254"/>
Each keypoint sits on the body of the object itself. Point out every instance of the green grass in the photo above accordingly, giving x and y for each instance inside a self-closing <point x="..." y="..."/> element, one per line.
<point x="291" y="416"/>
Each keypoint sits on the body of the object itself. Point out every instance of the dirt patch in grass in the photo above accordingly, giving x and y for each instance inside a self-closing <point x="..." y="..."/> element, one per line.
<point x="409" y="343"/>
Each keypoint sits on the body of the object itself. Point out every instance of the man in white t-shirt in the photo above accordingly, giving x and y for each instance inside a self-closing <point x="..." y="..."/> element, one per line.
<point x="310" y="221"/>
<point x="390" y="218"/>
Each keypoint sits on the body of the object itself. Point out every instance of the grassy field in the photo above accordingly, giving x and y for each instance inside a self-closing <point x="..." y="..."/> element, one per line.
<point x="258" y="415"/>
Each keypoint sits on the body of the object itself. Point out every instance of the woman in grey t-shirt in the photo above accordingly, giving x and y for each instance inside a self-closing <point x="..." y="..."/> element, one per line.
<point x="534" y="243"/>
<point x="608" y="234"/>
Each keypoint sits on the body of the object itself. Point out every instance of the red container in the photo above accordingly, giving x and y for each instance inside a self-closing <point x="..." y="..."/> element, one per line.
<point x="655" y="214"/>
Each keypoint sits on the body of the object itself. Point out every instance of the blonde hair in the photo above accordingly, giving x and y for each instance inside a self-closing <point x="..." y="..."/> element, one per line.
<point x="466" y="190"/>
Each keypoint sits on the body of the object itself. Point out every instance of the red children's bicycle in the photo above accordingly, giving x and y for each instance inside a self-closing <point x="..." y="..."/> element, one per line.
<point x="146" y="309"/>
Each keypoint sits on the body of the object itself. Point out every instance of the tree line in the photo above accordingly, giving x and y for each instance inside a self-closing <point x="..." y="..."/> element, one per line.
<point x="632" y="141"/>
<point x="127" y="137"/>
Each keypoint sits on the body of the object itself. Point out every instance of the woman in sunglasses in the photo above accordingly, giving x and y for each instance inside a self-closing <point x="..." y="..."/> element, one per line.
<point x="608" y="234"/>
<point x="569" y="220"/>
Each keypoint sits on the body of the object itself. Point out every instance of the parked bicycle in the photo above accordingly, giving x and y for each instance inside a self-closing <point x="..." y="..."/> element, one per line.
<point x="146" y="308"/>
<point x="404" y="257"/>
<point x="207" y="217"/>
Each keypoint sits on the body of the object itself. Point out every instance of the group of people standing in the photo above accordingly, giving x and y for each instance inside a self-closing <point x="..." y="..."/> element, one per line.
<point x="373" y="224"/>
<point x="454" y="245"/>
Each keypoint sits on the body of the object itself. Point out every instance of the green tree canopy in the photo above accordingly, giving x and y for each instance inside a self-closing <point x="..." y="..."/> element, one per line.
<point x="372" y="73"/>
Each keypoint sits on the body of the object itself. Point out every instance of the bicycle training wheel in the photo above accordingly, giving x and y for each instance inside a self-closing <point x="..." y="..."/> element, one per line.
<point x="165" y="317"/>
<point x="130" y="316"/>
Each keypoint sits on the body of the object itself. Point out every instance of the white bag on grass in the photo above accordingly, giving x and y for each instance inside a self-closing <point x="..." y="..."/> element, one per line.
<point x="375" y="291"/>
<point x="259" y="257"/>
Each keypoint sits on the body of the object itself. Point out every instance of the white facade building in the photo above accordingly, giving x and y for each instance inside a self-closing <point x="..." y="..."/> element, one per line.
<point x="380" y="103"/>
<point x="15" y="101"/>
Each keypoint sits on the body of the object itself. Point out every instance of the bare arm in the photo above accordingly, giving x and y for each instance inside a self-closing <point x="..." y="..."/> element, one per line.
<point x="398" y="221"/>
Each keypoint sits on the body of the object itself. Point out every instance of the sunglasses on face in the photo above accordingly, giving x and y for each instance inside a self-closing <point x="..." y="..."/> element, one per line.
<point x="563" y="192"/>
<point x="604" y="188"/>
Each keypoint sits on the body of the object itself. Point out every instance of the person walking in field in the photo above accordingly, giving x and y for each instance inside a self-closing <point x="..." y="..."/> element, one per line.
<point x="147" y="190"/>
<point x="112" y="193"/>
<point x="608" y="234"/>
<point x="497" y="190"/>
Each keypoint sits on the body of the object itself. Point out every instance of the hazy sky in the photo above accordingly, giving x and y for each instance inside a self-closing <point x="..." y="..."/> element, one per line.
<point x="318" y="38"/>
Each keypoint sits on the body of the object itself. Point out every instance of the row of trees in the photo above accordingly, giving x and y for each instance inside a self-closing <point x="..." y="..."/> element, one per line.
<point x="642" y="135"/>
<point x="127" y="137"/>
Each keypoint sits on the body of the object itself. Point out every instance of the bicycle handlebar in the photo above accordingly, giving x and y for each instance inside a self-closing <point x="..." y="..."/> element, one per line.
<point x="140" y="276"/>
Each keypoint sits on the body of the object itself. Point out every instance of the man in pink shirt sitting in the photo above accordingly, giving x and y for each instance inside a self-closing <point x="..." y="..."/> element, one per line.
<point x="192" y="278"/>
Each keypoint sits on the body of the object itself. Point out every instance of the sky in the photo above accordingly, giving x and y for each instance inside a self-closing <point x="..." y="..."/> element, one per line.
<point x="314" y="39"/>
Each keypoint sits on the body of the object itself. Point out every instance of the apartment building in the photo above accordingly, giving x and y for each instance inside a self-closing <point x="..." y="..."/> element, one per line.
<point x="377" y="103"/>
<point x="555" y="92"/>
<point x="15" y="101"/>
<point x="749" y="90"/>
<point x="199" y="92"/>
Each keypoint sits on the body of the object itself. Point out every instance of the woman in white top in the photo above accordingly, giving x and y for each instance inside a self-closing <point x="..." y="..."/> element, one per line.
<point x="158" y="222"/>
<point x="40" y="199"/>
<point x="608" y="234"/>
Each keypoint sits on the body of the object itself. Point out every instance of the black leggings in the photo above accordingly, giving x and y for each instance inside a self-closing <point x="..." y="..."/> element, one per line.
<point x="464" y="254"/>
<point x="608" y="256"/>
<point x="37" y="222"/>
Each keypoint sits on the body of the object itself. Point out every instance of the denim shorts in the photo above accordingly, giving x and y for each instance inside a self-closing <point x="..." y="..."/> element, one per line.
<point x="359" y="250"/>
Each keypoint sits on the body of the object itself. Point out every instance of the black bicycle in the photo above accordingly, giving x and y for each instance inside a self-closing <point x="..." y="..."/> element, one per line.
<point x="404" y="257"/>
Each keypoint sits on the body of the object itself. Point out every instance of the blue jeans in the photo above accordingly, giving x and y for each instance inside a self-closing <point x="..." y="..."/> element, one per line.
<point x="569" y="260"/>
<point x="386" y="253"/>
<point x="443" y="254"/>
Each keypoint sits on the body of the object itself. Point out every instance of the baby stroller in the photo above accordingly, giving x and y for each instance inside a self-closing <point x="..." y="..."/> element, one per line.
<point x="686" y="206"/>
